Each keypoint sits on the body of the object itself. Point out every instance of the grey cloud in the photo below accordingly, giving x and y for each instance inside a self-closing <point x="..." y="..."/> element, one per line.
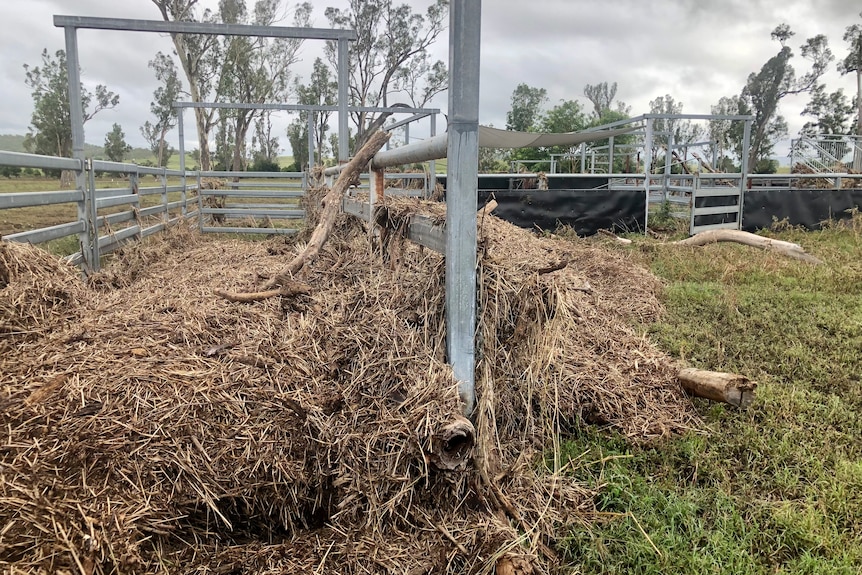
<point x="696" y="51"/>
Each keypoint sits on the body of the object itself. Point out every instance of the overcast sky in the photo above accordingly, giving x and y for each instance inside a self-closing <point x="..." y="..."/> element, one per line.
<point x="696" y="51"/>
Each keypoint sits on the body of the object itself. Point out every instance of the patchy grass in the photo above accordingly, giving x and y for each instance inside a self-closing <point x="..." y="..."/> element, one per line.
<point x="777" y="488"/>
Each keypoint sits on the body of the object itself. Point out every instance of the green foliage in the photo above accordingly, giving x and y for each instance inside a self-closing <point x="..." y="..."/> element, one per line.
<point x="321" y="90"/>
<point x="777" y="79"/>
<point x="116" y="147"/>
<point x="765" y="166"/>
<point x="831" y="112"/>
<point x="50" y="124"/>
<point x="776" y="488"/>
<point x="297" y="135"/>
<point x="265" y="165"/>
<point x="527" y="103"/>
<point x="527" y="115"/>
<point x="162" y="107"/>
<point x="10" y="171"/>
<point x="853" y="63"/>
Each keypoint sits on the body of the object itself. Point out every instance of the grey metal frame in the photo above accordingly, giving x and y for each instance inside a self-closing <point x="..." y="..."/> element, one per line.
<point x="71" y="25"/>
<point x="90" y="200"/>
<point x="462" y="150"/>
<point x="275" y="191"/>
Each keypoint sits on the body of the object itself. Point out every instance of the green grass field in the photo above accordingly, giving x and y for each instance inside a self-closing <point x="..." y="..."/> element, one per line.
<point x="776" y="488"/>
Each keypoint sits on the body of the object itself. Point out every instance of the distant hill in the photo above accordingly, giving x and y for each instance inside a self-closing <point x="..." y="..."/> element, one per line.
<point x="15" y="143"/>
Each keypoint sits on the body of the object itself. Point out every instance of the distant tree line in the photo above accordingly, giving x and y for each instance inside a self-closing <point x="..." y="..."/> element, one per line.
<point x="390" y="66"/>
<point x="828" y="112"/>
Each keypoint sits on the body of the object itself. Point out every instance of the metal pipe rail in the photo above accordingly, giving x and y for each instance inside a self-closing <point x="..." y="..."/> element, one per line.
<point x="90" y="201"/>
<point x="214" y="206"/>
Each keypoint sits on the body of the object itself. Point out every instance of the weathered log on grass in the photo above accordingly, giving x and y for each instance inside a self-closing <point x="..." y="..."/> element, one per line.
<point x="729" y="388"/>
<point x="788" y="249"/>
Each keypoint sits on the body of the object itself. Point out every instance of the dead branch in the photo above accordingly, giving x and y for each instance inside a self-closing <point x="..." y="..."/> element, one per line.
<point x="289" y="289"/>
<point x="331" y="207"/>
<point x="614" y="237"/>
<point x="788" y="249"/>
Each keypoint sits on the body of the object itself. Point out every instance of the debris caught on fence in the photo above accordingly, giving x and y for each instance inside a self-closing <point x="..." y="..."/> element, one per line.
<point x="149" y="426"/>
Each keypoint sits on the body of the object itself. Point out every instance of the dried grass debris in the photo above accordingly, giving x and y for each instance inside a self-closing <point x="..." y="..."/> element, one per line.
<point x="156" y="428"/>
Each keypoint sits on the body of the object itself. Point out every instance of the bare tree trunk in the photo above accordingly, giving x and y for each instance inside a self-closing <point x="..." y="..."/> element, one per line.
<point x="161" y="148"/>
<point x="857" y="153"/>
<point x="67" y="179"/>
<point x="331" y="208"/>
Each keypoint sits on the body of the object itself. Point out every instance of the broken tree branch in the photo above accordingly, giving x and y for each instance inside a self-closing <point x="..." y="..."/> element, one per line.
<point x="331" y="206"/>
<point x="788" y="249"/>
<point x="288" y="289"/>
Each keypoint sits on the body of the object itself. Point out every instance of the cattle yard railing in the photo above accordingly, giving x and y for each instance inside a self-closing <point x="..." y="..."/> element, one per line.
<point x="258" y="202"/>
<point x="105" y="218"/>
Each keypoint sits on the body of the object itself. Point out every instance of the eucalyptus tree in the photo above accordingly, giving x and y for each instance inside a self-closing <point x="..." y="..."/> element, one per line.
<point x="162" y="107"/>
<point x="527" y="106"/>
<point x="831" y="112"/>
<point x="200" y="58"/>
<point x="264" y="145"/>
<point x="256" y="69"/>
<point x="321" y="90"/>
<point x="684" y="132"/>
<point x="116" y="147"/>
<point x="389" y="63"/>
<point x="50" y="130"/>
<point x="850" y="64"/>
<point x="776" y="80"/>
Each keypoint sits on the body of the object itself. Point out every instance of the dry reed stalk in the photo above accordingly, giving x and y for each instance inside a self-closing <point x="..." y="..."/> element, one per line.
<point x="156" y="428"/>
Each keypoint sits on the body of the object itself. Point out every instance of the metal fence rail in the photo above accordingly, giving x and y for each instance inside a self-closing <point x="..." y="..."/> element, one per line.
<point x="135" y="212"/>
<point x="271" y="206"/>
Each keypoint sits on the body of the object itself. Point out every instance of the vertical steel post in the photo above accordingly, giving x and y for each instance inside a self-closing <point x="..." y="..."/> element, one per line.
<point x="343" y="79"/>
<point x="746" y="149"/>
<point x="134" y="185"/>
<point x="462" y="197"/>
<point x="90" y="249"/>
<point x="164" y="180"/>
<point x="647" y="169"/>
<point x="406" y="134"/>
<point x="583" y="157"/>
<point x="432" y="165"/>
<point x="793" y="144"/>
<point x="715" y="155"/>
<point x="695" y="187"/>
<point x="181" y="133"/>
<point x="611" y="155"/>
<point x="310" y="141"/>
<point x="668" y="162"/>
<point x="200" y="206"/>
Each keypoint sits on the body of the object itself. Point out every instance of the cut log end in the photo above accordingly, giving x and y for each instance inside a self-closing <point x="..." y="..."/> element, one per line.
<point x="452" y="446"/>
<point x="730" y="388"/>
